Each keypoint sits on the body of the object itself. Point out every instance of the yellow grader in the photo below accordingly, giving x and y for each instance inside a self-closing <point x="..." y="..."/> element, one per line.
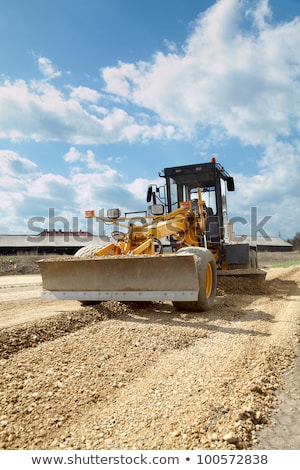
<point x="174" y="251"/>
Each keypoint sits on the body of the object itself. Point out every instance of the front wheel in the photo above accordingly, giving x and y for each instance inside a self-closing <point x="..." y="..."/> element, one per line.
<point x="88" y="251"/>
<point x="207" y="277"/>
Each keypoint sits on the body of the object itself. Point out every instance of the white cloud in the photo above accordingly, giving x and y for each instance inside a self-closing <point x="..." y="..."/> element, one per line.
<point x="51" y="186"/>
<point x="170" y="45"/>
<point x="262" y="13"/>
<point x="87" y="158"/>
<point x="73" y="155"/>
<point x="26" y="192"/>
<point x="47" y="69"/>
<point x="138" y="187"/>
<point x="273" y="191"/>
<point x="14" y="165"/>
<point x="29" y="193"/>
<point x="120" y="79"/>
<point x="237" y="76"/>
<point x="83" y="93"/>
<point x="243" y="81"/>
<point x="38" y="111"/>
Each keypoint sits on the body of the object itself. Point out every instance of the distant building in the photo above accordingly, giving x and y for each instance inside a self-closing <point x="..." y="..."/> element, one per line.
<point x="266" y="244"/>
<point x="61" y="242"/>
<point x="48" y="242"/>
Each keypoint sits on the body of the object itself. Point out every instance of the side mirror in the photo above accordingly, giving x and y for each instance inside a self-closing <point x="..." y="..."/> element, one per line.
<point x="113" y="213"/>
<point x="230" y="183"/>
<point x="157" y="209"/>
<point x="149" y="193"/>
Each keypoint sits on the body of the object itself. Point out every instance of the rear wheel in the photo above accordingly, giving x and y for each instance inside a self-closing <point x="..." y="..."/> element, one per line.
<point x="207" y="275"/>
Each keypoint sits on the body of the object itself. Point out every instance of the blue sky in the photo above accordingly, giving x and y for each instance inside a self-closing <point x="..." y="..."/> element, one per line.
<point x="98" y="96"/>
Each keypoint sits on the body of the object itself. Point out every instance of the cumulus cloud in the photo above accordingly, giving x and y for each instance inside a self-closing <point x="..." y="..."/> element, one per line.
<point x="13" y="164"/>
<point x="73" y="155"/>
<point x="237" y="76"/>
<point x="83" y="93"/>
<point x="89" y="160"/>
<point x="38" y="111"/>
<point x="244" y="81"/>
<point x="30" y="193"/>
<point x="272" y="191"/>
<point x="262" y="14"/>
<point x="52" y="186"/>
<point x="27" y="193"/>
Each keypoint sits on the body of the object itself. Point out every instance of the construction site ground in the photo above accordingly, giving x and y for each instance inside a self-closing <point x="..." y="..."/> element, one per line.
<point x="132" y="376"/>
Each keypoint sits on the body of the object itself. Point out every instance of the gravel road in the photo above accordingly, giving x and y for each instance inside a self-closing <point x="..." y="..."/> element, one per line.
<point x="123" y="376"/>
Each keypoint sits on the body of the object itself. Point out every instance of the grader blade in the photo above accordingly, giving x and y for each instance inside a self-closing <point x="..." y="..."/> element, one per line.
<point x="123" y="278"/>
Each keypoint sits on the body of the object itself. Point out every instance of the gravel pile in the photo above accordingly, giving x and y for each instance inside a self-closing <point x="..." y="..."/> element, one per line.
<point x="122" y="376"/>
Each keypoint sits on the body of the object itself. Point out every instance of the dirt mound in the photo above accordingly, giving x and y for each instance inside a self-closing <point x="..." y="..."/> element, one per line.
<point x="241" y="285"/>
<point x="248" y="286"/>
<point x="10" y="265"/>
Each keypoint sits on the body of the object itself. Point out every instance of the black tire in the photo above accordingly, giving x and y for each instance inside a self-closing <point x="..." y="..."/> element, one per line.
<point x="207" y="274"/>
